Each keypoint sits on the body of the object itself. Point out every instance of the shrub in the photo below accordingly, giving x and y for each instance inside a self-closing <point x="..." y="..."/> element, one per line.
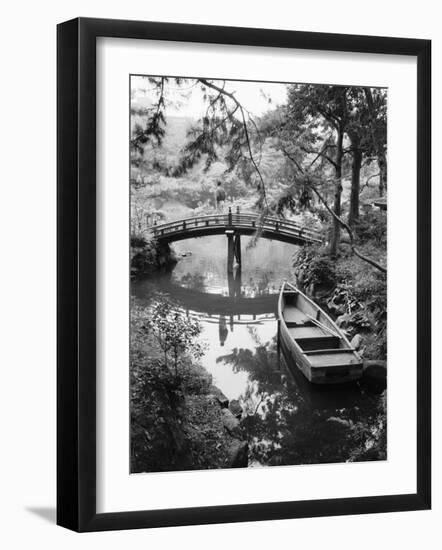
<point x="372" y="226"/>
<point x="315" y="267"/>
<point x="175" y="333"/>
<point x="149" y="255"/>
<point x="175" y="425"/>
<point x="322" y="271"/>
<point x="137" y="241"/>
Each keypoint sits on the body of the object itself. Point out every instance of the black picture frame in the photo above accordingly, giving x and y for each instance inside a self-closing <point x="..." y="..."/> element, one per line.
<point x="76" y="274"/>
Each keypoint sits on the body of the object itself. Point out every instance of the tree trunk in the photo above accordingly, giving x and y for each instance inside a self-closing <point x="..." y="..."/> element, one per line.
<point x="382" y="163"/>
<point x="353" y="214"/>
<point x="379" y="146"/>
<point x="334" y="242"/>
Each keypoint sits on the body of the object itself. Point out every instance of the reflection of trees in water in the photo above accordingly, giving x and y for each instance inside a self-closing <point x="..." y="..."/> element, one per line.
<point x="261" y="364"/>
<point x="254" y="334"/>
<point x="194" y="281"/>
<point x="261" y="285"/>
<point x="294" y="423"/>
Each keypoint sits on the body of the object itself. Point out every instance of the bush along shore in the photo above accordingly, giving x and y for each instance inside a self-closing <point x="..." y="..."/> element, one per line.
<point x="179" y="419"/>
<point x="353" y="293"/>
<point x="149" y="255"/>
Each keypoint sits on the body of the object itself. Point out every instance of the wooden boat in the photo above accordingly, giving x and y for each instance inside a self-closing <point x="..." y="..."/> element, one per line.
<point x="313" y="342"/>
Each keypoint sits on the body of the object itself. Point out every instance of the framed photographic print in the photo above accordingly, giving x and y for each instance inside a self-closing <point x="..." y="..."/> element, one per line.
<point x="238" y="211"/>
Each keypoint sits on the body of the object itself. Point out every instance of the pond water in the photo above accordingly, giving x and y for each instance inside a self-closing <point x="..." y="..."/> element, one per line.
<point x="287" y="420"/>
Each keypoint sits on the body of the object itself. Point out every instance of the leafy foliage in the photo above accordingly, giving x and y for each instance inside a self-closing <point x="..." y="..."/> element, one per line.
<point x="207" y="438"/>
<point x="373" y="226"/>
<point x="175" y="425"/>
<point x="153" y="117"/>
<point x="176" y="334"/>
<point x="148" y="255"/>
<point x="313" y="266"/>
<point x="372" y="437"/>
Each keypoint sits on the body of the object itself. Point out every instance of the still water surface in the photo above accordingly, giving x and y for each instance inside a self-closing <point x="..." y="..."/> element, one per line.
<point x="287" y="420"/>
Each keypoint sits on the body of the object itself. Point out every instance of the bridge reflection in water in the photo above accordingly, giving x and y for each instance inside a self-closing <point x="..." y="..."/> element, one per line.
<point x="213" y="308"/>
<point x="227" y="311"/>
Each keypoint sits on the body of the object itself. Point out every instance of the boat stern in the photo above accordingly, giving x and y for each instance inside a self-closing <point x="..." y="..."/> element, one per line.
<point x="336" y="374"/>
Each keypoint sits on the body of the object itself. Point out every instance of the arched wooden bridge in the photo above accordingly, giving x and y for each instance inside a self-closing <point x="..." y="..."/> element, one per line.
<point x="238" y="223"/>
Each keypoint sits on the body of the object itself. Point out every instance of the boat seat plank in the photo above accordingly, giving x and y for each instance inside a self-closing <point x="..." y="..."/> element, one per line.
<point x="324" y="342"/>
<point x="311" y="331"/>
<point x="333" y="359"/>
<point x="290" y="324"/>
<point x="331" y="350"/>
<point x="294" y="315"/>
<point x="313" y="337"/>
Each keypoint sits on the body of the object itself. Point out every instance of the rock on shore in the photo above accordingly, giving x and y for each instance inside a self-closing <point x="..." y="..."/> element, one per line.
<point x="231" y="423"/>
<point x="235" y="408"/>
<point x="237" y="449"/>
<point x="375" y="370"/>
<point x="218" y="395"/>
<point x="238" y="454"/>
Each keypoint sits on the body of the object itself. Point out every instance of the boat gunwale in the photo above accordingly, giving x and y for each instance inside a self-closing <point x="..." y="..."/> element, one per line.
<point x="340" y="333"/>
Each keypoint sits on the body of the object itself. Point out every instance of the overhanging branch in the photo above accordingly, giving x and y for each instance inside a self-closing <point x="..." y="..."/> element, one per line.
<point x="246" y="132"/>
<point x="349" y="231"/>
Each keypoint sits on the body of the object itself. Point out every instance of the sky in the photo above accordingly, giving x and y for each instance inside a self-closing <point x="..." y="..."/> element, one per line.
<point x="254" y="96"/>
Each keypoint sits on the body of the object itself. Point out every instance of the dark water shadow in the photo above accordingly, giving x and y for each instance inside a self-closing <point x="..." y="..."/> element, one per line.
<point x="46" y="513"/>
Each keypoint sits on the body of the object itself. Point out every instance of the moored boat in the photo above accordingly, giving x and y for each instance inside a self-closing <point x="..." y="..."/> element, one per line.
<point x="313" y="342"/>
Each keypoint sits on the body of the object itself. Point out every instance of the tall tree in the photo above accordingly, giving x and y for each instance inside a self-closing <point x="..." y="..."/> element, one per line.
<point x="353" y="213"/>
<point x="307" y="146"/>
<point x="359" y="144"/>
<point x="307" y="102"/>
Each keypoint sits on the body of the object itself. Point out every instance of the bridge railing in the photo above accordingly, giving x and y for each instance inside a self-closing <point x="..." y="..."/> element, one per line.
<point x="236" y="219"/>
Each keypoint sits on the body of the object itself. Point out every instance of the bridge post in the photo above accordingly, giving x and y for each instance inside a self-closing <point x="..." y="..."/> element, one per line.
<point x="230" y="216"/>
<point x="231" y="284"/>
<point x="233" y="249"/>
<point x="230" y="252"/>
<point x="237" y="249"/>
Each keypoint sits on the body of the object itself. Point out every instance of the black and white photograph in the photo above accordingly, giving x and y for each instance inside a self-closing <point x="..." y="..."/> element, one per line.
<point x="221" y="254"/>
<point x="258" y="274"/>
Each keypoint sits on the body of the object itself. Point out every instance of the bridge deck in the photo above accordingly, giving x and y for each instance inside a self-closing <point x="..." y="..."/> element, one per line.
<point x="243" y="223"/>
